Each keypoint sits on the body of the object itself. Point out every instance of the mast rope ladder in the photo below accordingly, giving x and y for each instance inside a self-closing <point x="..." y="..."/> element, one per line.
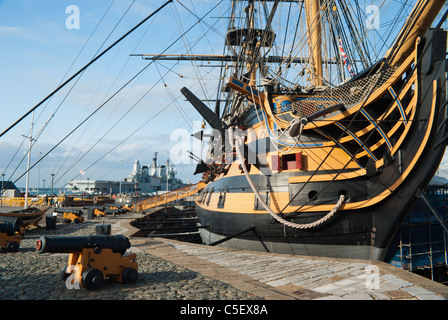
<point x="238" y="144"/>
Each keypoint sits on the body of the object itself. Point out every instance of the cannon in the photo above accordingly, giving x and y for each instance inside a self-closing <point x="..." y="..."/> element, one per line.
<point x="76" y="217"/>
<point x="94" y="211"/>
<point x="16" y="220"/>
<point x="93" y="259"/>
<point x="102" y="211"/>
<point x="71" y="214"/>
<point x="99" y="213"/>
<point x="10" y="236"/>
<point x="9" y="228"/>
<point x="116" y="209"/>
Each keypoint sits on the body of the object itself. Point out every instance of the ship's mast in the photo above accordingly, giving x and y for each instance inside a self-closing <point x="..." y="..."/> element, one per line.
<point x="250" y="16"/>
<point x="28" y="166"/>
<point x="314" y="30"/>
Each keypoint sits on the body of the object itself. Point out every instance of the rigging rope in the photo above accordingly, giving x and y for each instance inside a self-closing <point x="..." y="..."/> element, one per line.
<point x="238" y="144"/>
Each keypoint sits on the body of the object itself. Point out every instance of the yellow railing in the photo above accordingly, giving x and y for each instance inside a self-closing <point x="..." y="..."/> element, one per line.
<point x="20" y="201"/>
<point x="168" y="197"/>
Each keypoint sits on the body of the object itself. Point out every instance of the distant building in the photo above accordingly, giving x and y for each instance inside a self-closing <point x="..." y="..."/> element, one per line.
<point x="9" y="190"/>
<point x="143" y="179"/>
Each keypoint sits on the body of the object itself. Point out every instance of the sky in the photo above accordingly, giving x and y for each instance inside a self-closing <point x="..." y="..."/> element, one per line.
<point x="44" y="42"/>
<point x="140" y="108"/>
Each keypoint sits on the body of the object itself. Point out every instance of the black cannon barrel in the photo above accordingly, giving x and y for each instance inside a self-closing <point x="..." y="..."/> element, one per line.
<point x="9" y="228"/>
<point x="118" y="243"/>
<point x="75" y="210"/>
<point x="15" y="220"/>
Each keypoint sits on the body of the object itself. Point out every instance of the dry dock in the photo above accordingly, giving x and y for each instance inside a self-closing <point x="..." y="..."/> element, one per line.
<point x="285" y="277"/>
<point x="174" y="270"/>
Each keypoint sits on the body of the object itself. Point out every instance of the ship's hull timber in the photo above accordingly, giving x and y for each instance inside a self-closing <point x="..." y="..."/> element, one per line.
<point x="380" y="175"/>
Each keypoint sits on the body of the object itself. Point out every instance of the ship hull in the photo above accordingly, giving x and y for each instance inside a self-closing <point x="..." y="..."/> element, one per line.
<point x="355" y="234"/>
<point x="269" y="237"/>
<point x="376" y="203"/>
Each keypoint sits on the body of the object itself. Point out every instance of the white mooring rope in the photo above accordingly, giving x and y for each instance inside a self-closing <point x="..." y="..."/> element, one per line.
<point x="239" y="143"/>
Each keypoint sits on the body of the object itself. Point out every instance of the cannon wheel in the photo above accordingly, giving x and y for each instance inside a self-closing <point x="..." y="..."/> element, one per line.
<point x="129" y="275"/>
<point x="64" y="273"/>
<point x="92" y="279"/>
<point x="12" y="246"/>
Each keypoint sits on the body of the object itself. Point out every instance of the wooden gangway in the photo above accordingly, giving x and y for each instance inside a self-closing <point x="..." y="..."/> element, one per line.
<point x="168" y="197"/>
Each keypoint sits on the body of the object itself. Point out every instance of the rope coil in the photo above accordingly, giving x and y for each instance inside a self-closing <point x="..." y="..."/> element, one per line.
<point x="238" y="143"/>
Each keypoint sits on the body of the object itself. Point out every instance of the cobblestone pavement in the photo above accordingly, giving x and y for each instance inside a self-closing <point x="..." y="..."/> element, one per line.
<point x="28" y="275"/>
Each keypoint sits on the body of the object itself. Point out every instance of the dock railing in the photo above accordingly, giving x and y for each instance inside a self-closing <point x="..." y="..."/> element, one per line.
<point x="20" y="201"/>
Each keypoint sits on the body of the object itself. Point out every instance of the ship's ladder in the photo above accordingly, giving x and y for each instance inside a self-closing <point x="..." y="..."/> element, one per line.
<point x="168" y="197"/>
